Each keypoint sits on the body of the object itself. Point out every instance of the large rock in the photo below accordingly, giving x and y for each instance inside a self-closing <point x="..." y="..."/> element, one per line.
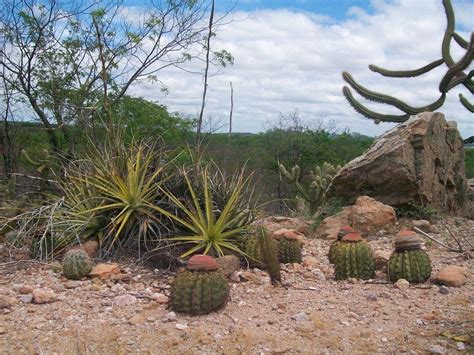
<point x="452" y="275"/>
<point x="366" y="216"/>
<point x="420" y="160"/>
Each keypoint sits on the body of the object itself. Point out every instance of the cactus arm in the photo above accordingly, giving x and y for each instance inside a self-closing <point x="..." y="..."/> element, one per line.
<point x="457" y="68"/>
<point x="390" y="100"/>
<point x="459" y="40"/>
<point x="465" y="102"/>
<point x="406" y="73"/>
<point x="356" y="105"/>
<point x="448" y="34"/>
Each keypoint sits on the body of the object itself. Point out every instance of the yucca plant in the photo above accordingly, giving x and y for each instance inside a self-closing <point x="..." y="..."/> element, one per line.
<point x="212" y="229"/>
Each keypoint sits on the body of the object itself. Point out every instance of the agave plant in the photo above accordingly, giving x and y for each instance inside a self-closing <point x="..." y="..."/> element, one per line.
<point x="213" y="229"/>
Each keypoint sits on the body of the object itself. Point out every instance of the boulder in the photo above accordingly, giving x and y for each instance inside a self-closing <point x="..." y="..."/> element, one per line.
<point x="420" y="160"/>
<point x="452" y="275"/>
<point x="330" y="226"/>
<point x="228" y="264"/>
<point x="275" y="223"/>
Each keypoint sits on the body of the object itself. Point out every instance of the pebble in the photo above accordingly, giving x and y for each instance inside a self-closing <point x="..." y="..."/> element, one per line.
<point x="170" y="317"/>
<point x="371" y="297"/>
<point x="437" y="349"/>
<point x="299" y="317"/>
<point x="402" y="284"/>
<point x="460" y="346"/>
<point x="2" y="331"/>
<point x="72" y="284"/>
<point x="137" y="319"/>
<point x="124" y="300"/>
<point x="26" y="298"/>
<point x="44" y="295"/>
<point x="181" y="326"/>
<point x="160" y="298"/>
<point x="444" y="290"/>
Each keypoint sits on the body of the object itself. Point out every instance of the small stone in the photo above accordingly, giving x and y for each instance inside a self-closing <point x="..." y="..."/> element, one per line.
<point x="124" y="300"/>
<point x="181" y="326"/>
<point x="384" y="340"/>
<point x="443" y="290"/>
<point x="104" y="271"/>
<point x="308" y="275"/>
<point x="72" y="284"/>
<point x="381" y="259"/>
<point x="300" y="317"/>
<point x="249" y="276"/>
<point x="235" y="277"/>
<point x="371" y="297"/>
<point x="460" y="346"/>
<point x="310" y="261"/>
<point x="352" y="280"/>
<point x="26" y="298"/>
<point x="5" y="302"/>
<point x="422" y="224"/>
<point x="25" y="290"/>
<point x="436" y="349"/>
<point x="170" y="317"/>
<point x="160" y="298"/>
<point x="137" y="319"/>
<point x="44" y="295"/>
<point x="402" y="284"/>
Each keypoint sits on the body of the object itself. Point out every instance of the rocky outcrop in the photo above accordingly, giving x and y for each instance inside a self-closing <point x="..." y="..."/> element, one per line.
<point x="420" y="160"/>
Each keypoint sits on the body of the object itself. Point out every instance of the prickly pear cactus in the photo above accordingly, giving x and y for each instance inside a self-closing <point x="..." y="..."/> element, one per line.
<point x="201" y="288"/>
<point x="76" y="264"/>
<point x="343" y="231"/>
<point x="289" y="250"/>
<point x="353" y="258"/>
<point x="408" y="261"/>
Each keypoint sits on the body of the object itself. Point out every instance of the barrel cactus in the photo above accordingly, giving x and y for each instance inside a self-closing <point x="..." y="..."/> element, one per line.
<point x="353" y="258"/>
<point x="343" y="231"/>
<point x="76" y="264"/>
<point x="408" y="261"/>
<point x="199" y="289"/>
<point x="289" y="250"/>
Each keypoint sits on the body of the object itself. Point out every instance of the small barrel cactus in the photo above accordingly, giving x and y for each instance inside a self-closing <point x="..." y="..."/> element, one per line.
<point x="353" y="258"/>
<point x="408" y="261"/>
<point x="201" y="288"/>
<point x="76" y="264"/>
<point x="343" y="231"/>
<point x="289" y="250"/>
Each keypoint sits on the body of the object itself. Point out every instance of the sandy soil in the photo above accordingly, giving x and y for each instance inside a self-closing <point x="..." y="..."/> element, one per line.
<point x="309" y="313"/>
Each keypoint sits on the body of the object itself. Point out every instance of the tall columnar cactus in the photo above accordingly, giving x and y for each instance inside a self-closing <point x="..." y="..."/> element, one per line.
<point x="454" y="76"/>
<point x="76" y="264"/>
<point x="201" y="288"/>
<point x="289" y="250"/>
<point x="353" y="258"/>
<point x="313" y="194"/>
<point x="263" y="251"/>
<point x="408" y="261"/>
<point x="343" y="231"/>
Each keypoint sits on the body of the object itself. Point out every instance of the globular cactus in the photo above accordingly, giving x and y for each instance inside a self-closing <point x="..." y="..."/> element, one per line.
<point x="289" y="250"/>
<point x="343" y="231"/>
<point x="353" y="258"/>
<point x="314" y="194"/>
<point x="200" y="289"/>
<point x="76" y="264"/>
<point x="408" y="261"/>
<point x="263" y="252"/>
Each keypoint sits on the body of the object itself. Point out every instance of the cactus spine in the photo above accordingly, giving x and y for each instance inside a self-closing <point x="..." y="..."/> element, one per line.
<point x="76" y="264"/>
<point x="454" y="76"/>
<point x="201" y="288"/>
<point x="289" y="250"/>
<point x="408" y="261"/>
<point x="343" y="231"/>
<point x="353" y="258"/>
<point x="314" y="195"/>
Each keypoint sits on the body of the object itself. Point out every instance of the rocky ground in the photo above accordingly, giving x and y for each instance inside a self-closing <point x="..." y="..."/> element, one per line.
<point x="309" y="313"/>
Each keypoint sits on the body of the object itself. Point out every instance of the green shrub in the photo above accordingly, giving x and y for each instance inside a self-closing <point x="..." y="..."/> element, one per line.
<point x="469" y="161"/>
<point x="415" y="210"/>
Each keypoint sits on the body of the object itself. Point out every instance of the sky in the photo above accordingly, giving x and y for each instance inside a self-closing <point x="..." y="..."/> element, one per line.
<point x="289" y="56"/>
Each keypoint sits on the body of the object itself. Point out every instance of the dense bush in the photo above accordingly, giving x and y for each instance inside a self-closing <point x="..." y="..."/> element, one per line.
<point x="470" y="162"/>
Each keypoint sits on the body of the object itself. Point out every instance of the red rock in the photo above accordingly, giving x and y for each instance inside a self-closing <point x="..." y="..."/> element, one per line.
<point x="91" y="247"/>
<point x="370" y="215"/>
<point x="105" y="271"/>
<point x="452" y="275"/>
<point x="44" y="295"/>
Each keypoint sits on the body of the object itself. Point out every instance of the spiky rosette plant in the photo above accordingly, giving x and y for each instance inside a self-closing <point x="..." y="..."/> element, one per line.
<point x="408" y="261"/>
<point x="455" y="75"/>
<point x="76" y="264"/>
<point x="199" y="289"/>
<point x="353" y="258"/>
<point x="343" y="231"/>
<point x="289" y="249"/>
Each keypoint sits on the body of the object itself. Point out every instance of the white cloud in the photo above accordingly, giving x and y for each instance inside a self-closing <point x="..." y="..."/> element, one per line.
<point x="286" y="60"/>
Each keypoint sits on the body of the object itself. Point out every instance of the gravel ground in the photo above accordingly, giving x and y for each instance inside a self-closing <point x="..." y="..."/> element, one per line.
<point x="309" y="313"/>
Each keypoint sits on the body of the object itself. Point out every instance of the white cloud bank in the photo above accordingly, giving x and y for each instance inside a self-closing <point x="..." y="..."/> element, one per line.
<point x="286" y="60"/>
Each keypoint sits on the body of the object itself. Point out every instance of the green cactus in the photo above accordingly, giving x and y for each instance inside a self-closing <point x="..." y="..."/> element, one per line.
<point x="199" y="290"/>
<point x="289" y="250"/>
<point x="76" y="264"/>
<point x="263" y="252"/>
<point x="408" y="261"/>
<point x="353" y="258"/>
<point x="411" y="265"/>
<point x="454" y="76"/>
<point x="345" y="230"/>
<point x="313" y="194"/>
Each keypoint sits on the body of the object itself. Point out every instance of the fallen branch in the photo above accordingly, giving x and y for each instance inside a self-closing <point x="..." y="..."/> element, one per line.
<point x="460" y="250"/>
<point x="452" y="236"/>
